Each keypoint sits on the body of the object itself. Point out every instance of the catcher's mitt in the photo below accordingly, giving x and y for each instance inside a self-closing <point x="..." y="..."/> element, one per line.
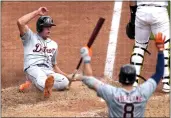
<point x="130" y="30"/>
<point x="130" y="27"/>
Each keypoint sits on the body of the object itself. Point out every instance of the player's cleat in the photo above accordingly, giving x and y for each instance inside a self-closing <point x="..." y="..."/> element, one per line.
<point x="24" y="86"/>
<point x="166" y="88"/>
<point x="48" y="86"/>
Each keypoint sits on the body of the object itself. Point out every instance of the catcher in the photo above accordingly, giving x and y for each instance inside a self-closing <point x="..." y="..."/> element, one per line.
<point x="127" y="101"/>
<point x="147" y="17"/>
<point x="40" y="53"/>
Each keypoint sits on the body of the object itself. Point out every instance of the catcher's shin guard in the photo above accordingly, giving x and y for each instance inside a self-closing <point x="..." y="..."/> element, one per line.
<point x="166" y="75"/>
<point x="137" y="59"/>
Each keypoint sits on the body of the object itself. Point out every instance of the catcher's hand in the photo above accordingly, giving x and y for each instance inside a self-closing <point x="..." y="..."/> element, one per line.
<point x="159" y="40"/>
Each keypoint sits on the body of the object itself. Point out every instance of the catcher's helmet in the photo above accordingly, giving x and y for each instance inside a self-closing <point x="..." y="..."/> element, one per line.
<point x="44" y="21"/>
<point x="127" y="74"/>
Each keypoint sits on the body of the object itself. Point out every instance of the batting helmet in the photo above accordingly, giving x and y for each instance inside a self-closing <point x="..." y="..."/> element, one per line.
<point x="127" y="74"/>
<point x="44" y="21"/>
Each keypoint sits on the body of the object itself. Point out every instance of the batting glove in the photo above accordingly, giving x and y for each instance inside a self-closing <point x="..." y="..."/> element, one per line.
<point x="159" y="39"/>
<point x="86" y="54"/>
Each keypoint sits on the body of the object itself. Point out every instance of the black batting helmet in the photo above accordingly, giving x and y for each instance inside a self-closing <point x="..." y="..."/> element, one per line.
<point x="44" y="21"/>
<point x="127" y="74"/>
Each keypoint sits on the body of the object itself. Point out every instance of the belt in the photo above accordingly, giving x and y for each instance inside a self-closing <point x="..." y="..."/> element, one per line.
<point x="151" y="5"/>
<point x="39" y="65"/>
<point x="42" y="65"/>
<point x="26" y="68"/>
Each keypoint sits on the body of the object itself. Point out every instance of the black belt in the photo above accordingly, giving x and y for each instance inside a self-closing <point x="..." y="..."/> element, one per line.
<point x="42" y="65"/>
<point x="26" y="68"/>
<point x="39" y="65"/>
<point x="151" y="5"/>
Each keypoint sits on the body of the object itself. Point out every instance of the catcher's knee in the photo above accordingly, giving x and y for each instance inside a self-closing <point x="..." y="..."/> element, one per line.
<point x="137" y="56"/>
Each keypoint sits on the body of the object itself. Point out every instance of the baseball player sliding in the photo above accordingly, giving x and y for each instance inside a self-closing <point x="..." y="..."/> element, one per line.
<point x="127" y="101"/>
<point x="40" y="52"/>
<point x="147" y="17"/>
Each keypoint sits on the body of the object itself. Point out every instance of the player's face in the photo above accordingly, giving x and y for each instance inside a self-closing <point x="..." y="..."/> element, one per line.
<point x="46" y="32"/>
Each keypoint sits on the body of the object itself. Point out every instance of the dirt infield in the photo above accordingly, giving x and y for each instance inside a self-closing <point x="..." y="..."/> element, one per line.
<point x="79" y="101"/>
<point x="75" y="22"/>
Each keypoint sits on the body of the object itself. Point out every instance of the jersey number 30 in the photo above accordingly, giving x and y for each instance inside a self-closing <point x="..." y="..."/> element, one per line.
<point x="128" y="110"/>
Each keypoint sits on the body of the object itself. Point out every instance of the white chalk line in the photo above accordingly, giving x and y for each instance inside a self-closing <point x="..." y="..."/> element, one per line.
<point x="110" y="58"/>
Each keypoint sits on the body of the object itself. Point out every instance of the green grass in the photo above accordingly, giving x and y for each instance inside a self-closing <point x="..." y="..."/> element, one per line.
<point x="168" y="8"/>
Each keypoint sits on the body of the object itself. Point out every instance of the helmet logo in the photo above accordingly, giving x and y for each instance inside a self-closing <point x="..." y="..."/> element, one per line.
<point x="44" y="21"/>
<point x="127" y="81"/>
<point x="48" y="20"/>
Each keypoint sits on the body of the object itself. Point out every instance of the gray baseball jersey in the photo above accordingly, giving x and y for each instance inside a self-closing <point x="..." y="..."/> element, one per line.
<point x="123" y="103"/>
<point x="38" y="51"/>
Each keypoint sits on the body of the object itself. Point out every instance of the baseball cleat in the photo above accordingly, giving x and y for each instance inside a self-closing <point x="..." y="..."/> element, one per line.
<point x="48" y="86"/>
<point x="24" y="86"/>
<point x="166" y="88"/>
